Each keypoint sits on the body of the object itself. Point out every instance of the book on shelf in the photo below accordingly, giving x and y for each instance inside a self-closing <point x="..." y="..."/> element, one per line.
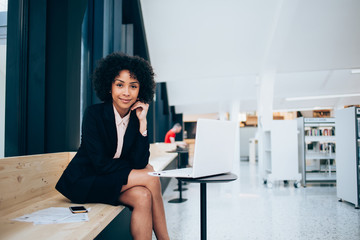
<point x="320" y="132"/>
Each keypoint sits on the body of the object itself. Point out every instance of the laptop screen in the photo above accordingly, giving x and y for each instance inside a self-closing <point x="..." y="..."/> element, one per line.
<point x="214" y="147"/>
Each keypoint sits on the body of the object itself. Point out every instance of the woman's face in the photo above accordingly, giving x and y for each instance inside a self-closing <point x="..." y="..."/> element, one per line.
<point x="124" y="91"/>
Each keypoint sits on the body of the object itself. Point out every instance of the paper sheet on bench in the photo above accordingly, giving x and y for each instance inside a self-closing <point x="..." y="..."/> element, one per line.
<point x="53" y="215"/>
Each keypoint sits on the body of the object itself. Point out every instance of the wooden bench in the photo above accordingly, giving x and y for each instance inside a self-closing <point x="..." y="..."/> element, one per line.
<point x="27" y="184"/>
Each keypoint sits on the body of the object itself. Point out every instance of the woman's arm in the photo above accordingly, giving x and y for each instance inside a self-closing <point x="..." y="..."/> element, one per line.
<point x="140" y="151"/>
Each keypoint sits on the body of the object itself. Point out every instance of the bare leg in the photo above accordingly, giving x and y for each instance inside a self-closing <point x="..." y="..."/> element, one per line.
<point x="140" y="177"/>
<point x="141" y="218"/>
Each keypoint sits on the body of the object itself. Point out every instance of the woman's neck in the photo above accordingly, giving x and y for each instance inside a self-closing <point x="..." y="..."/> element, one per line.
<point x="123" y="111"/>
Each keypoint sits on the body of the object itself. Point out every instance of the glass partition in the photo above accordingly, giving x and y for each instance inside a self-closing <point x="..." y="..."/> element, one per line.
<point x="3" y="34"/>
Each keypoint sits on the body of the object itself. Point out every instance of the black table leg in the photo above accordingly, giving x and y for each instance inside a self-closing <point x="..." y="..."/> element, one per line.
<point x="180" y="189"/>
<point x="180" y="184"/>
<point x="180" y="199"/>
<point x="203" y="210"/>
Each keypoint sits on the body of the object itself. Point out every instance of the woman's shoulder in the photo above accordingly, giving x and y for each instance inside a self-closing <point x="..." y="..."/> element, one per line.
<point x="100" y="111"/>
<point x="97" y="107"/>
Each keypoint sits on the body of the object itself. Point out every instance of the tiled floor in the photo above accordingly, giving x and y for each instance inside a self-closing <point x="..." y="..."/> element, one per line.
<point x="246" y="209"/>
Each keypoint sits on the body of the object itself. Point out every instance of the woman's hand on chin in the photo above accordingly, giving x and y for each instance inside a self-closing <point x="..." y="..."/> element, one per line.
<point x="141" y="112"/>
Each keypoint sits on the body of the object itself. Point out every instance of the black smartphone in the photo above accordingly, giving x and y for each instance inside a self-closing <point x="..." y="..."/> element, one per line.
<point x="78" y="209"/>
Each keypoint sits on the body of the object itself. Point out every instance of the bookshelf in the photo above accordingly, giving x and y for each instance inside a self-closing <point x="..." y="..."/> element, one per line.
<point x="280" y="153"/>
<point x="318" y="160"/>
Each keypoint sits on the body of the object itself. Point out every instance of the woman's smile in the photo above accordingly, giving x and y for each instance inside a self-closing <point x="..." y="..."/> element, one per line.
<point x="125" y="100"/>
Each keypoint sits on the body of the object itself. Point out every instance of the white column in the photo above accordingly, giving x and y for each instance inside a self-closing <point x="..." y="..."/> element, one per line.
<point x="265" y="115"/>
<point x="234" y="109"/>
<point x="265" y="100"/>
<point x="222" y="111"/>
<point x="278" y="32"/>
<point x="234" y="116"/>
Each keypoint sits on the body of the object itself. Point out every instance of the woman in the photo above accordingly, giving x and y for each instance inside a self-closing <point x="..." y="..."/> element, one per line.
<point x="111" y="165"/>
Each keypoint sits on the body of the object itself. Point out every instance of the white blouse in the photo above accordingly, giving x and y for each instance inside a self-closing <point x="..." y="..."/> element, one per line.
<point x="121" y="126"/>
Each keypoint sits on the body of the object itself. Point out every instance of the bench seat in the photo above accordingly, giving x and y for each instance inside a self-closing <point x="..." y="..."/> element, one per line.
<point x="99" y="217"/>
<point x="27" y="185"/>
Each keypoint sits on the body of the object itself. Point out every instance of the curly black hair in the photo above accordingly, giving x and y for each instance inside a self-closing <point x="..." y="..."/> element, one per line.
<point x="110" y="66"/>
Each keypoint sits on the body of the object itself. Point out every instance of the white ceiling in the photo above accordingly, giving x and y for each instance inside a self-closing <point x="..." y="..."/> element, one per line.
<point x="212" y="52"/>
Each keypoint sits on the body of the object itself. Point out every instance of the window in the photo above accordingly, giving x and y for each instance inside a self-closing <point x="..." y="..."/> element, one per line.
<point x="3" y="31"/>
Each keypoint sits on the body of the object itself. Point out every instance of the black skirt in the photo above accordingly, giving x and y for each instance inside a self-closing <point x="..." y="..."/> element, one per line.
<point x="107" y="188"/>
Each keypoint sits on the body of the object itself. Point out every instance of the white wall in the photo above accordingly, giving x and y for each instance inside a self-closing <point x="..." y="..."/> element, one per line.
<point x="195" y="117"/>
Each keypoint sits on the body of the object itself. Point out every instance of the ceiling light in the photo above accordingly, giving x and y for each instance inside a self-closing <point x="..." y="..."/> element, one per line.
<point x="355" y="71"/>
<point x="322" y="97"/>
<point x="303" y="109"/>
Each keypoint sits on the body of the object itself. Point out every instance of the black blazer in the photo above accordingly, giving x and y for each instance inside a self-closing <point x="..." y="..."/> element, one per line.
<point x="97" y="149"/>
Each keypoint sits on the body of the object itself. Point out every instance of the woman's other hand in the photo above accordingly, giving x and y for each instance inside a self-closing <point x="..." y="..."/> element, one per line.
<point x="141" y="112"/>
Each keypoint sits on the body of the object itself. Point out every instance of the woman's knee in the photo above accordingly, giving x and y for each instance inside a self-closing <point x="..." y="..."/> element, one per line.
<point x="142" y="178"/>
<point x="143" y="197"/>
<point x="136" y="197"/>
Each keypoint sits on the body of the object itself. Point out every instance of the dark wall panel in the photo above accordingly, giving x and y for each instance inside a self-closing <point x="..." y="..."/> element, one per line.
<point x="162" y="116"/>
<point x="132" y="14"/>
<point x="75" y="18"/>
<point x="36" y="77"/>
<point x="63" y="57"/>
<point x="56" y="74"/>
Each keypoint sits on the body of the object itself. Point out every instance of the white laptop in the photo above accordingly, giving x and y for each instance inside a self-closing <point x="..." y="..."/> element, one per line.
<point x="214" y="150"/>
